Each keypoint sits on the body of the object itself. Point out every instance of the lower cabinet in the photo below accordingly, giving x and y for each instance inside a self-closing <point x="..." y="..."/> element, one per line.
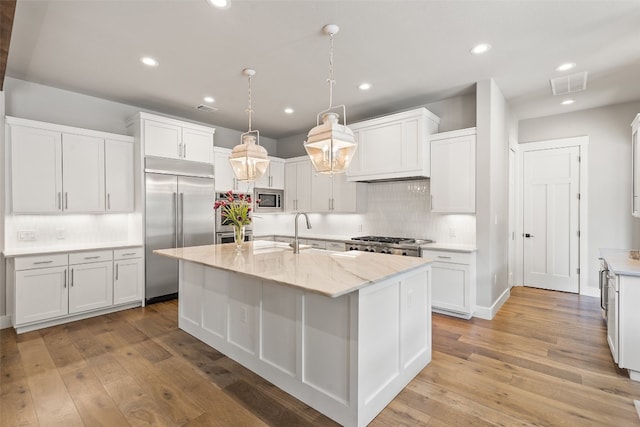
<point x="51" y="289"/>
<point x="453" y="282"/>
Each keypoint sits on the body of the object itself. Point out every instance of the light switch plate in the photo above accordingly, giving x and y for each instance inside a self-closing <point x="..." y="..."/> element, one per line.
<point x="26" y="235"/>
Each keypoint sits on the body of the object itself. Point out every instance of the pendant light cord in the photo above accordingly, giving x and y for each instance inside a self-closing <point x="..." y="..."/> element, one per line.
<point x="249" y="110"/>
<point x="330" y="80"/>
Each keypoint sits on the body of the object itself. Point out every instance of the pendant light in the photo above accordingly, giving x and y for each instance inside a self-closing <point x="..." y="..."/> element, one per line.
<point x="249" y="160"/>
<point x="331" y="145"/>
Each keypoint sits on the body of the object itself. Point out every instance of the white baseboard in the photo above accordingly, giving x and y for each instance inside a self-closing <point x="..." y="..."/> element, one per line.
<point x="5" y="322"/>
<point x="590" y="292"/>
<point x="489" y="312"/>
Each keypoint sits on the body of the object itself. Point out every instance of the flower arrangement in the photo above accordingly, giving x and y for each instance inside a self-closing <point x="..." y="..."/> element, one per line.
<point x="235" y="210"/>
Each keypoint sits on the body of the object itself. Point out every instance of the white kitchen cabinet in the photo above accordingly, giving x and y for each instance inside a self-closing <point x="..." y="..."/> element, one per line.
<point x="393" y="146"/>
<point x="453" y="171"/>
<point x="225" y="179"/>
<point x="56" y="169"/>
<point x="635" y="167"/>
<point x="128" y="280"/>
<point x="90" y="286"/>
<point x="41" y="288"/>
<point x="174" y="139"/>
<point x="119" y="182"/>
<point x="83" y="173"/>
<point x="274" y="176"/>
<point x="297" y="188"/>
<point x="333" y="193"/>
<point x="453" y="282"/>
<point x="36" y="169"/>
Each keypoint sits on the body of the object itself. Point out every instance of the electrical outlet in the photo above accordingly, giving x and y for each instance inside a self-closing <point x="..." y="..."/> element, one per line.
<point x="452" y="232"/>
<point x="60" y="233"/>
<point x="27" y="235"/>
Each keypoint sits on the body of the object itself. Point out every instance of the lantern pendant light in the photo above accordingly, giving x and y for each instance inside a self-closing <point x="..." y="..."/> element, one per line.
<point x="249" y="160"/>
<point x="331" y="145"/>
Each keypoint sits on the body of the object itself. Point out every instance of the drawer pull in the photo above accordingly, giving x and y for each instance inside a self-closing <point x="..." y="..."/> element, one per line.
<point x="444" y="257"/>
<point x="72" y="277"/>
<point x="92" y="257"/>
<point x="65" y="278"/>
<point x="129" y="254"/>
<point x="43" y="262"/>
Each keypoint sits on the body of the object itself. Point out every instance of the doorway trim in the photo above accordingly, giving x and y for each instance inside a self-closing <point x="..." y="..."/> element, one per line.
<point x="582" y="142"/>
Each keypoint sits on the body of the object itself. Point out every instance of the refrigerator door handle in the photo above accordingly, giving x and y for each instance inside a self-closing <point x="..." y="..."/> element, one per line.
<point x="175" y="209"/>
<point x="181" y="220"/>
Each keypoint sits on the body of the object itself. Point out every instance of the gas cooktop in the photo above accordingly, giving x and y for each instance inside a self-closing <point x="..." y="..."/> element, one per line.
<point x="388" y="245"/>
<point x="392" y="240"/>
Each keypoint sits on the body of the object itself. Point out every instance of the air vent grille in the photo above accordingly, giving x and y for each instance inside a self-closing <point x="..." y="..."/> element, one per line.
<point x="567" y="84"/>
<point x="206" y="108"/>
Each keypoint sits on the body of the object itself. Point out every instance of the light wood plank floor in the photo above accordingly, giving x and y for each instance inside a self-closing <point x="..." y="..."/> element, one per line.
<point x="542" y="361"/>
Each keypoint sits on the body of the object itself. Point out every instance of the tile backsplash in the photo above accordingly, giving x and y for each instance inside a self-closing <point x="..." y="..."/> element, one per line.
<point x="397" y="208"/>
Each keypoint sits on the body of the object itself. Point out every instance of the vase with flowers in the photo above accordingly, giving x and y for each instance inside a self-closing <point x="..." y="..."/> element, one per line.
<point x="237" y="211"/>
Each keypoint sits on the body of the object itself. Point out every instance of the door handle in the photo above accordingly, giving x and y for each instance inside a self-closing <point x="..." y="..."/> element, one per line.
<point x="65" y="278"/>
<point x="59" y="200"/>
<point x="72" y="277"/>
<point x="109" y="201"/>
<point x="184" y="150"/>
<point x="66" y="200"/>
<point x="117" y="265"/>
<point x="175" y="228"/>
<point x="527" y="235"/>
<point x="181" y="204"/>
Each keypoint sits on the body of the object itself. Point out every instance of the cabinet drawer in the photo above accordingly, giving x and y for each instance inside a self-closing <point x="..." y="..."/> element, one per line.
<point x="92" y="256"/>
<point x="128" y="253"/>
<point x="444" y="256"/>
<point x="336" y="246"/>
<point x="316" y="244"/>
<point x="41" y="261"/>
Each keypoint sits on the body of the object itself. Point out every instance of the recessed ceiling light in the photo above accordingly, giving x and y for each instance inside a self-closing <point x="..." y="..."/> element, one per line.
<point x="568" y="102"/>
<point x="220" y="4"/>
<point x="566" y="66"/>
<point x="288" y="110"/>
<point x="480" y="49"/>
<point x="364" y="86"/>
<point x="209" y="99"/>
<point x="149" y="61"/>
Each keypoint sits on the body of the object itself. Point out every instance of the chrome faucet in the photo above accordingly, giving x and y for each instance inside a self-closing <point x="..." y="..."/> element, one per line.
<point x="296" y="243"/>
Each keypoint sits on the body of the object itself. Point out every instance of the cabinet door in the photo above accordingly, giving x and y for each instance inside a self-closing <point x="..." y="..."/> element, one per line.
<point x="303" y="193"/>
<point x="290" y="186"/>
<point x="321" y="192"/>
<point x="162" y="139"/>
<point x="225" y="179"/>
<point x="635" y="169"/>
<point x="119" y="176"/>
<point x="127" y="282"/>
<point x="453" y="175"/>
<point x="381" y="148"/>
<point x="197" y="145"/>
<point x="345" y="196"/>
<point x="83" y="173"/>
<point x="40" y="294"/>
<point x="265" y="180"/>
<point x="36" y="170"/>
<point x="450" y="287"/>
<point x="90" y="286"/>
<point x="276" y="172"/>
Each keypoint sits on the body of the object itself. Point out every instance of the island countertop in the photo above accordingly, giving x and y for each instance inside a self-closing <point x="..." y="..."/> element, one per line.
<point x="325" y="272"/>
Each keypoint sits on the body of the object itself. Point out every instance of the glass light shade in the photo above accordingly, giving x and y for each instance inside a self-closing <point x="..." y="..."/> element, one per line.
<point x="249" y="160"/>
<point x="330" y="145"/>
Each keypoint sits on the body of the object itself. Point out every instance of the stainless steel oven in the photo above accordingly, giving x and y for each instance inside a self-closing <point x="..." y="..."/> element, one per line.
<point x="223" y="225"/>
<point x="227" y="237"/>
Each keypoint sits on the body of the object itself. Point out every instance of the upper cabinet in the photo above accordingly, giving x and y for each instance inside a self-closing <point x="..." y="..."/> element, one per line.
<point x="57" y="169"/>
<point x="333" y="193"/>
<point x="453" y="171"/>
<point x="394" y="146"/>
<point x="635" y="166"/>
<point x="297" y="176"/>
<point x="174" y="139"/>
<point x="274" y="176"/>
<point x="225" y="179"/>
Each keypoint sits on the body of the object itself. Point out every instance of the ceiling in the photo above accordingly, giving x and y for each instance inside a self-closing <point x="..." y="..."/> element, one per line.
<point x="412" y="52"/>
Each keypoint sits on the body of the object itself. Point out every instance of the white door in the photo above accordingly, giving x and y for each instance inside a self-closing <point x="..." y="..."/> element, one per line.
<point x="119" y="175"/>
<point x="321" y="185"/>
<point x="197" y="145"/>
<point x="90" y="286"/>
<point x="127" y="283"/>
<point x="41" y="294"/>
<point x="162" y="140"/>
<point x="551" y="218"/>
<point x="225" y="179"/>
<point x="83" y="173"/>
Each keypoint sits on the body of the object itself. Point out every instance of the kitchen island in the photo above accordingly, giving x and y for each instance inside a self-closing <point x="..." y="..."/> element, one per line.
<point x="343" y="332"/>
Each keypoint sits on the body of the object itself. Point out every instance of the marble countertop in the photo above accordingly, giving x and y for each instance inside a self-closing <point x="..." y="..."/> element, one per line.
<point x="620" y="262"/>
<point x="325" y="272"/>
<point x="449" y="247"/>
<point x="9" y="253"/>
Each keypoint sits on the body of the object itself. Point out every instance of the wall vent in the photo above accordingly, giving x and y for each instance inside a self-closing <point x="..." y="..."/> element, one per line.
<point x="206" y="108"/>
<point x="567" y="84"/>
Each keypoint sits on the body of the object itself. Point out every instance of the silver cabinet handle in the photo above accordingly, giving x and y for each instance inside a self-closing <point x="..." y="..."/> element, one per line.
<point x="72" y="277"/>
<point x="179" y="149"/>
<point x="66" y="200"/>
<point x="108" y="201"/>
<point x="65" y="278"/>
<point x="444" y="257"/>
<point x="184" y="150"/>
<point x="43" y="262"/>
<point x="92" y="257"/>
<point x="175" y="210"/>
<point x="59" y="200"/>
<point x="181" y="219"/>
<point x="117" y="265"/>
<point x="129" y="254"/>
<point x="431" y="202"/>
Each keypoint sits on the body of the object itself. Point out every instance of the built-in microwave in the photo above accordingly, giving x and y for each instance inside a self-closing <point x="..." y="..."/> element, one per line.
<point x="268" y="200"/>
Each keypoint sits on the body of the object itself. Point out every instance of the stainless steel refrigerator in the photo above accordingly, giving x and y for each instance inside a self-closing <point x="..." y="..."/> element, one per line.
<point x="179" y="212"/>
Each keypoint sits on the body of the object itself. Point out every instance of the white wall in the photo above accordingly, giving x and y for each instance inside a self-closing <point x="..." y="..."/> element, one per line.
<point x="33" y="101"/>
<point x="610" y="222"/>
<point x="455" y="113"/>
<point x="398" y="209"/>
<point x="492" y="220"/>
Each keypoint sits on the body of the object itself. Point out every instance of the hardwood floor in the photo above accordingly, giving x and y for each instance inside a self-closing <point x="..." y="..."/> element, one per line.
<point x="542" y="361"/>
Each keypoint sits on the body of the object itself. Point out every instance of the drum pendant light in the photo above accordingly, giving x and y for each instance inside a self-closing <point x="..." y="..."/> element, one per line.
<point x="331" y="145"/>
<point x="249" y="160"/>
